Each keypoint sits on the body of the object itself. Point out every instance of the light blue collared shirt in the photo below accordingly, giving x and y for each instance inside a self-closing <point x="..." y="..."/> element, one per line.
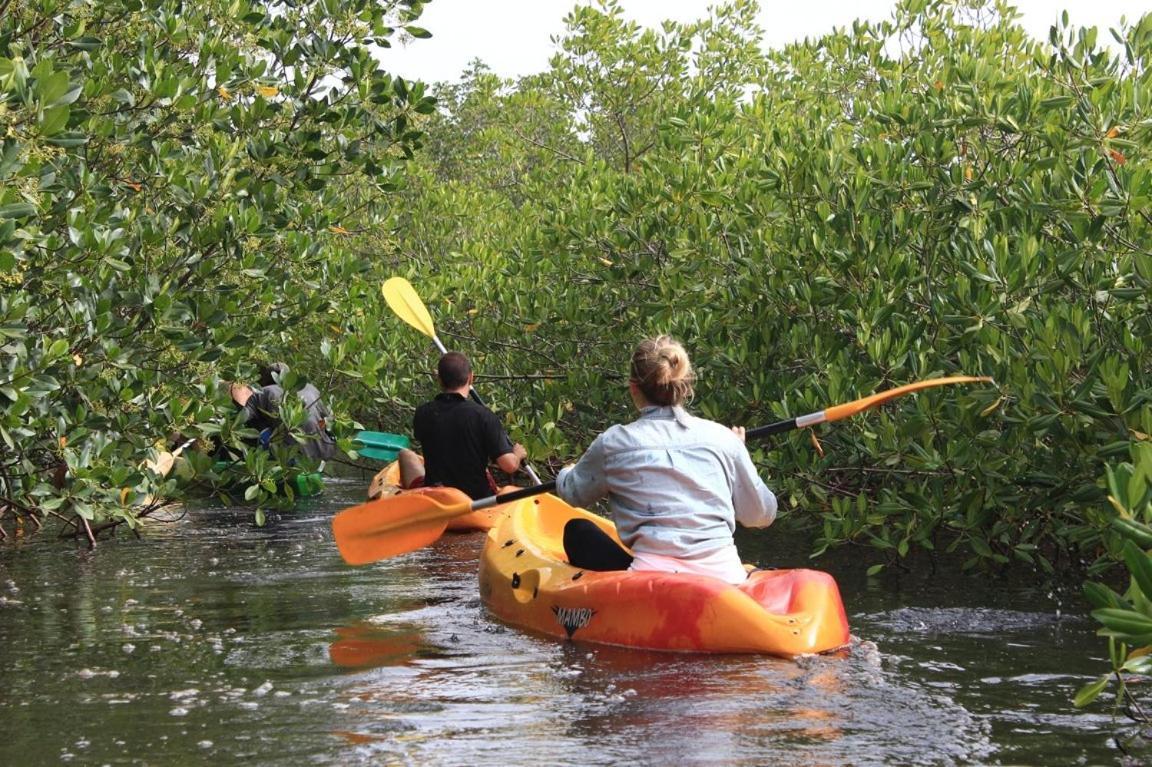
<point x="676" y="484"/>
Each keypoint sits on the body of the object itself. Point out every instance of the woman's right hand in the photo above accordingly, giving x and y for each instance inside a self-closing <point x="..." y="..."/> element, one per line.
<point x="739" y="431"/>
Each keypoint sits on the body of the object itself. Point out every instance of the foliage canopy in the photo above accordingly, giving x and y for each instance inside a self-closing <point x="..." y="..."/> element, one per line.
<point x="930" y="195"/>
<point x="177" y="181"/>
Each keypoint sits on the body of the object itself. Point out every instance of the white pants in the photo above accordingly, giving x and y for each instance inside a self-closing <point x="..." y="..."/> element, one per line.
<point x="724" y="564"/>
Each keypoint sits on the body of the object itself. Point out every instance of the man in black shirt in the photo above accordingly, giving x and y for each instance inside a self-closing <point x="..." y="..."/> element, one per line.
<point x="459" y="437"/>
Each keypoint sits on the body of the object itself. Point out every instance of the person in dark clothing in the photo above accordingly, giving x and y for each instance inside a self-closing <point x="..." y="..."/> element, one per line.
<point x="459" y="437"/>
<point x="262" y="406"/>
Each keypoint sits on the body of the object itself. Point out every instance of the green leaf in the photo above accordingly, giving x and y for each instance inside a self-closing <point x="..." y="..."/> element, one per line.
<point x="56" y="89"/>
<point x="1135" y="531"/>
<point x="1124" y="622"/>
<point x="1099" y="595"/>
<point x="874" y="570"/>
<point x="17" y="210"/>
<point x="68" y="140"/>
<point x="251" y="492"/>
<point x="260" y="518"/>
<point x="980" y="546"/>
<point x="1091" y="691"/>
<point x="86" y="43"/>
<point x="1140" y="664"/>
<point x="418" y="32"/>
<point x="1140" y="565"/>
<point x="54" y="119"/>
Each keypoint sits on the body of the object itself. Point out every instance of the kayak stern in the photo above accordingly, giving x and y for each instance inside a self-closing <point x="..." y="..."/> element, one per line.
<point x="526" y="581"/>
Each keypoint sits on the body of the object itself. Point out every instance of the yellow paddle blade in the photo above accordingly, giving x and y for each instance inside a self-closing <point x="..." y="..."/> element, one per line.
<point x="402" y="298"/>
<point x="397" y="524"/>
<point x="162" y="464"/>
<point x="837" y="412"/>
<point x="164" y="461"/>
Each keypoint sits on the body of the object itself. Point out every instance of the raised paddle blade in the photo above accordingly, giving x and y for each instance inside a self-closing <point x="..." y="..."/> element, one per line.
<point x="836" y="412"/>
<point x="395" y="525"/>
<point x="852" y="408"/>
<point x="402" y="298"/>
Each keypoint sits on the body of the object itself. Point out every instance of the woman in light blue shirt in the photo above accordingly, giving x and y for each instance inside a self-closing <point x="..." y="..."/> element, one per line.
<point x="676" y="484"/>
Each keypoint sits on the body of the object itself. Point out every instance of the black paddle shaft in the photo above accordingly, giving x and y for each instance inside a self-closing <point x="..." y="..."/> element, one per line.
<point x="526" y="492"/>
<point x="773" y="428"/>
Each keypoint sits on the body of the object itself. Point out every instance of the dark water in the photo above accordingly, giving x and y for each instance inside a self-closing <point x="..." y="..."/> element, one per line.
<point x="211" y="641"/>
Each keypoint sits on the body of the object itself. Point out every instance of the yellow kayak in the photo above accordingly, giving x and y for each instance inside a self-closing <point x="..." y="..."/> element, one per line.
<point x="526" y="581"/>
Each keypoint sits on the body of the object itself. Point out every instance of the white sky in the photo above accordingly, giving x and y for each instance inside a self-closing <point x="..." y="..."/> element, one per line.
<point x="513" y="37"/>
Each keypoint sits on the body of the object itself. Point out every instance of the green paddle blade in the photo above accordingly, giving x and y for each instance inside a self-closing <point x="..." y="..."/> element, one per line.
<point x="386" y="454"/>
<point x="380" y="445"/>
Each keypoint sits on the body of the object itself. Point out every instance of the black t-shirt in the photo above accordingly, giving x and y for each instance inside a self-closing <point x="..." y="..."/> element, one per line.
<point x="459" y="438"/>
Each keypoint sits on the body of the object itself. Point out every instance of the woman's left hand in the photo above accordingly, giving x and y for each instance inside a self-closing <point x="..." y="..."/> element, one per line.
<point x="739" y="432"/>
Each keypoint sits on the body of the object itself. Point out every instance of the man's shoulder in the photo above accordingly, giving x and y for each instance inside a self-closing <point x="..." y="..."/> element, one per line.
<point x="473" y="412"/>
<point x="456" y="405"/>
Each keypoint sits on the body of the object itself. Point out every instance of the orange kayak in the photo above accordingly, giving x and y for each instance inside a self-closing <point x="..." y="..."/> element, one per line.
<point x="525" y="581"/>
<point x="387" y="483"/>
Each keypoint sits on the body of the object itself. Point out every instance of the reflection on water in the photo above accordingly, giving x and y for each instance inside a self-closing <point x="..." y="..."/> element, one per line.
<point x="211" y="640"/>
<point x="367" y="646"/>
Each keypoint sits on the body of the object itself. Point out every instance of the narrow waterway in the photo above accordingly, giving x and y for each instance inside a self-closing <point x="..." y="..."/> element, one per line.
<point x="211" y="641"/>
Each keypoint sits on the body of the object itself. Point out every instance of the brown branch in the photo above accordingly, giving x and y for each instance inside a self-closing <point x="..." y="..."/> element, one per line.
<point x="899" y="472"/>
<point x="506" y="345"/>
<point x="523" y="377"/>
<point x="91" y="537"/>
<point x="623" y="128"/>
<point x="541" y="145"/>
<point x="14" y="504"/>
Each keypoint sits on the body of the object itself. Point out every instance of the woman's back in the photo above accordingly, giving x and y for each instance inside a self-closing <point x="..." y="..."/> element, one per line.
<point x="677" y="485"/>
<point x="671" y="481"/>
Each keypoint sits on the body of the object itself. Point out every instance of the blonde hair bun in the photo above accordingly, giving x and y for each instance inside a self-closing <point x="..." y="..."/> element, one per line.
<point x="662" y="370"/>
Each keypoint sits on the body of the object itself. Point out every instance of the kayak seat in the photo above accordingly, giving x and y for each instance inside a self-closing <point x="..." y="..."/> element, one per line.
<point x="546" y="531"/>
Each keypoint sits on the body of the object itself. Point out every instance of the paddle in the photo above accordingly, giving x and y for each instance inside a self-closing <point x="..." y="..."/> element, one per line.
<point x="380" y="445"/>
<point x="403" y="300"/>
<point x="401" y="297"/>
<point x="397" y="524"/>
<point x="857" y="406"/>
<point x="164" y="460"/>
<point x="161" y="466"/>
<point x="401" y="523"/>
